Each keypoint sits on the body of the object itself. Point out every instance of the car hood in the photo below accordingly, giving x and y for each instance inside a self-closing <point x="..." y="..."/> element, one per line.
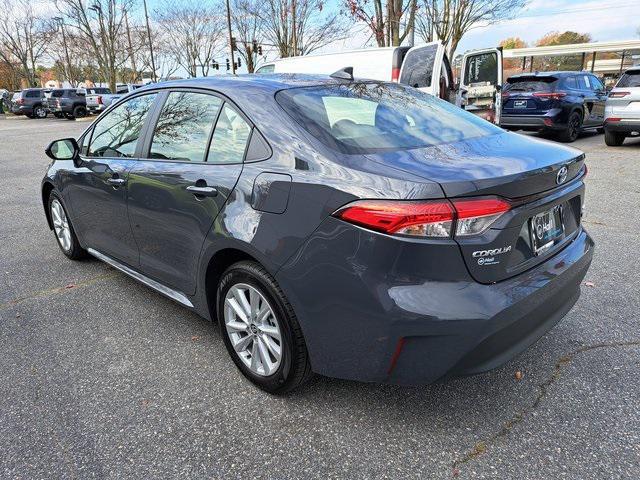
<point x="507" y="164"/>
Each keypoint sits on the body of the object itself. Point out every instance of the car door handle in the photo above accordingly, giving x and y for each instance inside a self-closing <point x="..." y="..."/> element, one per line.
<point x="116" y="182"/>
<point x="202" y="191"/>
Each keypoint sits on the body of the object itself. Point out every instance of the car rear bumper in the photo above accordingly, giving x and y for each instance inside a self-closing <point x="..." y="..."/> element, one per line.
<point x="96" y="108"/>
<point x="367" y="313"/>
<point x="623" y="126"/>
<point x="532" y="122"/>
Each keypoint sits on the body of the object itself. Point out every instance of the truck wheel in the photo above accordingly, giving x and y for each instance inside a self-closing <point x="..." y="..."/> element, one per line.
<point x="613" y="139"/>
<point x="40" y="112"/>
<point x="79" y="111"/>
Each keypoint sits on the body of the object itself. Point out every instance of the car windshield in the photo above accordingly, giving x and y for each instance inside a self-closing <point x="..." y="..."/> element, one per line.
<point x="373" y="117"/>
<point x="629" y="80"/>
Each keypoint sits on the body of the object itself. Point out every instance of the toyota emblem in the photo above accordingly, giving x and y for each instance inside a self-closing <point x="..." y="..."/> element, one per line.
<point x="561" y="177"/>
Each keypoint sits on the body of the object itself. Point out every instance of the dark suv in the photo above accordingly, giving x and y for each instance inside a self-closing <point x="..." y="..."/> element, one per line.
<point x="30" y="102"/>
<point x="562" y="103"/>
<point x="67" y="102"/>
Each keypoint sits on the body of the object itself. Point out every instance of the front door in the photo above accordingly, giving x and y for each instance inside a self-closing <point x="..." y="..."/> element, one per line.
<point x="422" y="67"/>
<point x="193" y="158"/>
<point x="481" y="83"/>
<point x="98" y="193"/>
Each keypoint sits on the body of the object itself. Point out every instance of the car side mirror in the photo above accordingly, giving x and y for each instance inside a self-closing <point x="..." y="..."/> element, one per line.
<point x="64" y="149"/>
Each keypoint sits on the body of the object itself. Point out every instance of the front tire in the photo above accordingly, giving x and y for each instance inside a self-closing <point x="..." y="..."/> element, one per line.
<point x="79" y="112"/>
<point x="63" y="229"/>
<point x="260" y="329"/>
<point x="571" y="132"/>
<point x="613" y="139"/>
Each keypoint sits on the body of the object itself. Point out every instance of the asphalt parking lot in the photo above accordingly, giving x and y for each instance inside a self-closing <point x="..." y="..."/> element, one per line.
<point x="104" y="378"/>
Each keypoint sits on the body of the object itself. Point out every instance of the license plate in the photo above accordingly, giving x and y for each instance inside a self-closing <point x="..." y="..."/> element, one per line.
<point x="519" y="104"/>
<point x="545" y="228"/>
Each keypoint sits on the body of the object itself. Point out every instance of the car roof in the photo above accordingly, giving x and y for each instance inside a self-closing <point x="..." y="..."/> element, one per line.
<point x="557" y="73"/>
<point x="234" y="85"/>
<point x="635" y="68"/>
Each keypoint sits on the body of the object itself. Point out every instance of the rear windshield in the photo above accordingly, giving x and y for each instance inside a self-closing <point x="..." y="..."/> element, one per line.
<point x="417" y="67"/>
<point x="524" y="84"/>
<point x="375" y="117"/>
<point x="629" y="80"/>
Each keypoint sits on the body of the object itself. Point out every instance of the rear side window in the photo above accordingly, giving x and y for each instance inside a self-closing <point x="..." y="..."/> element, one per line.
<point x="375" y="117"/>
<point x="116" y="134"/>
<point x="184" y="127"/>
<point x="417" y="68"/>
<point x="481" y="69"/>
<point x="571" y="82"/>
<point x="33" y="94"/>
<point x="230" y="137"/>
<point x="530" y="84"/>
<point x="629" y="80"/>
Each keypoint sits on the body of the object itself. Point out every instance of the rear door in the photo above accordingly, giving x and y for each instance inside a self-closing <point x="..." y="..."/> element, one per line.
<point x="600" y="98"/>
<point x="422" y="67"/>
<point x="193" y="157"/>
<point x="481" y="83"/>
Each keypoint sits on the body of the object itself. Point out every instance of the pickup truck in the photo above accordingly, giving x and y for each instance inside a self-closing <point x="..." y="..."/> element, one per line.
<point x="96" y="103"/>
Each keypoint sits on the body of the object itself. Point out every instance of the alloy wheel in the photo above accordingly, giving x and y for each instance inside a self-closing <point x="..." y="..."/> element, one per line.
<point x="61" y="225"/>
<point x="40" y="112"/>
<point x="253" y="329"/>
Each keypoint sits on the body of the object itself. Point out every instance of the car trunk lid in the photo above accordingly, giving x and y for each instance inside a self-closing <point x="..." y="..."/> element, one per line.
<point x="543" y="181"/>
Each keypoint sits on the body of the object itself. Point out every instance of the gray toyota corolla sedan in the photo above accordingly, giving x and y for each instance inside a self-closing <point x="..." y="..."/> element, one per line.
<point x="352" y="228"/>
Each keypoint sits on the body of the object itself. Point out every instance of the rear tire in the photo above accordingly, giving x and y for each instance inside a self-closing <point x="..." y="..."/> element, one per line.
<point x="63" y="229"/>
<point x="574" y="125"/>
<point x="79" y="111"/>
<point x="287" y="363"/>
<point x="613" y="139"/>
<point x="40" y="112"/>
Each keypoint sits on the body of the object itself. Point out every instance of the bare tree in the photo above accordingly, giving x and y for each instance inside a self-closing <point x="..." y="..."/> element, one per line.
<point x="100" y="24"/>
<point x="449" y="20"/>
<point x="390" y="24"/>
<point x="23" y="37"/>
<point x="195" y="32"/>
<point x="248" y="29"/>
<point x="298" y="27"/>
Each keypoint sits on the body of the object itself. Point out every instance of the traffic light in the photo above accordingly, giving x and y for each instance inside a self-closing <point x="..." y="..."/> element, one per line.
<point x="239" y="63"/>
<point x="259" y="49"/>
<point x="228" y="66"/>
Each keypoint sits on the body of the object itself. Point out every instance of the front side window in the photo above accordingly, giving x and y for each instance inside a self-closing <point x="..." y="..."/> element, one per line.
<point x="230" y="137"/>
<point x="373" y="117"/>
<point x="116" y="135"/>
<point x="184" y="127"/>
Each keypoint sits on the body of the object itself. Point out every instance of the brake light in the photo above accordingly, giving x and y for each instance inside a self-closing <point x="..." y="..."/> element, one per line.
<point x="99" y="99"/>
<point x="428" y="218"/>
<point x="475" y="215"/>
<point x="612" y="119"/>
<point x="549" y="96"/>
<point x="618" y="94"/>
<point x="395" y="74"/>
<point x="20" y="101"/>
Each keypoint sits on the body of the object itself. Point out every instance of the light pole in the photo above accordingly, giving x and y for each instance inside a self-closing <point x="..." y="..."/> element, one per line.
<point x="153" y="63"/>
<point x="60" y="22"/>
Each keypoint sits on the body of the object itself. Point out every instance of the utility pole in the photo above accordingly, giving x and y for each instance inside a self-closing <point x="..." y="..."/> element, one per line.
<point x="60" y="22"/>
<point x="294" y="38"/>
<point x="131" y="55"/>
<point x="233" y="61"/>
<point x="153" y="63"/>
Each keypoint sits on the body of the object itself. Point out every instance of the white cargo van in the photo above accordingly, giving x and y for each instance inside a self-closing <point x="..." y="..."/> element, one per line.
<point x="425" y="67"/>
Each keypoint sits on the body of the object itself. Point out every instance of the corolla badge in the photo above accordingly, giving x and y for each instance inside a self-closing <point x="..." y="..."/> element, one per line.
<point x="561" y="177"/>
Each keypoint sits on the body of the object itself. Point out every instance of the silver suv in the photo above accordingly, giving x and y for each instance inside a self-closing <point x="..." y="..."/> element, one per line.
<point x="622" y="110"/>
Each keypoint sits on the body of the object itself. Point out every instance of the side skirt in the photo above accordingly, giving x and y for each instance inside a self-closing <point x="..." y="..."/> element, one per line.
<point x="163" y="289"/>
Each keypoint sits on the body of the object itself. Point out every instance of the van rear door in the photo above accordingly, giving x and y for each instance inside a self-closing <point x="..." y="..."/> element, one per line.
<point x="422" y="67"/>
<point x="481" y="83"/>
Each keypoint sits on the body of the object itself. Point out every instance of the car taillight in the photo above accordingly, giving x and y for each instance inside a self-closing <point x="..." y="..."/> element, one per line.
<point x="99" y="100"/>
<point x="475" y="215"/>
<point x="612" y="119"/>
<point x="428" y="218"/>
<point x="395" y="74"/>
<point x="618" y="94"/>
<point x="20" y="101"/>
<point x="549" y="96"/>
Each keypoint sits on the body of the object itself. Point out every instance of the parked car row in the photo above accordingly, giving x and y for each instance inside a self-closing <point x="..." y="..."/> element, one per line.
<point x="70" y="103"/>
